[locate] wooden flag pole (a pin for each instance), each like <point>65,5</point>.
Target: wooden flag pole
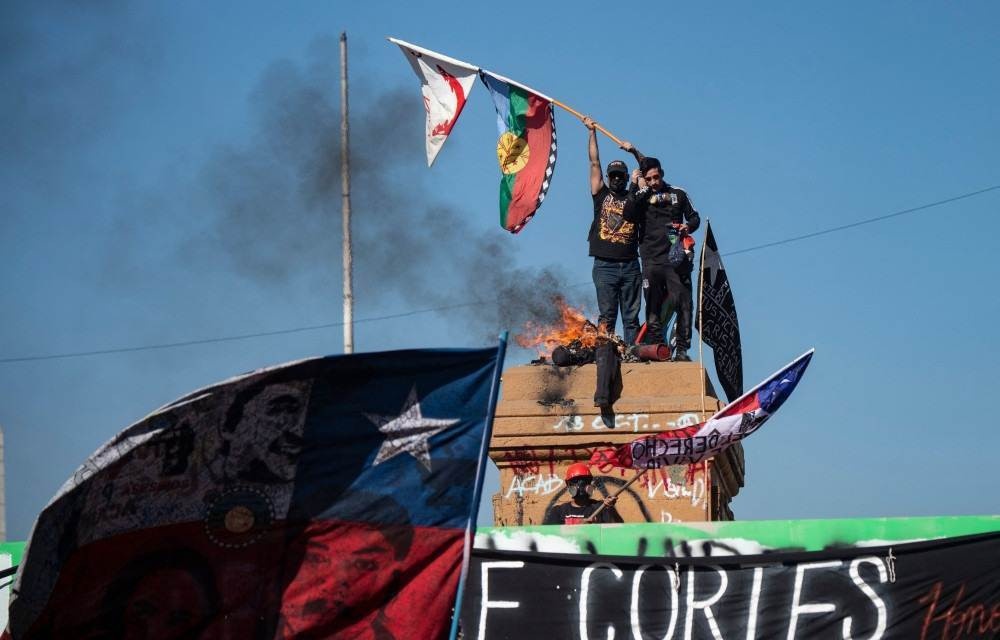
<point>628,484</point>
<point>579,115</point>
<point>563,105</point>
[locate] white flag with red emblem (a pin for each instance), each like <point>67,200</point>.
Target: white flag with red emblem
<point>445,84</point>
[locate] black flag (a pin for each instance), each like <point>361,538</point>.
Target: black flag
<point>717,321</point>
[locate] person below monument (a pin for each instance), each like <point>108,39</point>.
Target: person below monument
<point>613,242</point>
<point>579,485</point>
<point>666,216</point>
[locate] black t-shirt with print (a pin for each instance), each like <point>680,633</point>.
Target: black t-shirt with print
<point>657,212</point>
<point>570,513</point>
<point>614,234</point>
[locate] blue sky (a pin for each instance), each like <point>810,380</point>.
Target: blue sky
<point>144,137</point>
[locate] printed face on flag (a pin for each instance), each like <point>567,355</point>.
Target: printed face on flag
<point>341,568</point>
<point>261,437</point>
<point>166,596</point>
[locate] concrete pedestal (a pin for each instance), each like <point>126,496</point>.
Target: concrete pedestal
<point>546,420</point>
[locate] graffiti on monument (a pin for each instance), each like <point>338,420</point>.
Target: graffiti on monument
<point>634,422</point>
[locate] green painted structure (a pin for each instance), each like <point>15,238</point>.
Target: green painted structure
<point>623,539</point>
<point>742,537</point>
<point>12,549</point>
<point>10,556</point>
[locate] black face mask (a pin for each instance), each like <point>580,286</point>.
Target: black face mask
<point>617,182</point>
<point>579,488</point>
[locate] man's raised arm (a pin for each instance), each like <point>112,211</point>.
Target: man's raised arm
<point>629,148</point>
<point>596,177</point>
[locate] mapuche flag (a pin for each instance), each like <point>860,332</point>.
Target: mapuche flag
<point>702,441</point>
<point>526,149</point>
<point>327,498</point>
<point>717,322</point>
<point>445,84</point>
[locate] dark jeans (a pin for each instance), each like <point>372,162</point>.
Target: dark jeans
<point>619,285</point>
<point>664,292</point>
<point>682,327</point>
<point>609,375</point>
<point>680,332</point>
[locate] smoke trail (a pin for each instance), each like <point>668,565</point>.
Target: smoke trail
<point>68,70</point>
<point>274,203</point>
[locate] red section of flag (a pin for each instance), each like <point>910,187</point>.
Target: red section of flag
<point>532,182</point>
<point>358,581</point>
<point>444,128</point>
<point>163,582</point>
<point>324,580</point>
<point>746,404</point>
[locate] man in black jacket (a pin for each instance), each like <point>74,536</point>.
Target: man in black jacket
<point>666,215</point>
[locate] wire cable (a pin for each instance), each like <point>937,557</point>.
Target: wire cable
<point>859,223</point>
<point>330,325</point>
<point>244,336</point>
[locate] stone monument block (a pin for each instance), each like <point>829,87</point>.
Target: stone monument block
<point>546,420</point>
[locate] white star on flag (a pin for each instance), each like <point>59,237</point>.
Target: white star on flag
<point>408,432</point>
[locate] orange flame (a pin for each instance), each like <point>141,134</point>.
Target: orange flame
<point>572,326</point>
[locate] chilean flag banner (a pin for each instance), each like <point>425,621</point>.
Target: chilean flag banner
<point>702,441</point>
<point>326,498</point>
<point>445,84</point>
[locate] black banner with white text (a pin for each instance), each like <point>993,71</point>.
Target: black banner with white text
<point>938,589</point>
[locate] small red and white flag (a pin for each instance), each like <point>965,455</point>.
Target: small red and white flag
<point>445,84</point>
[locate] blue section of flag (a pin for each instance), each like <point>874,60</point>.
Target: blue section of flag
<point>339,474</point>
<point>500,93</point>
<point>773,393</point>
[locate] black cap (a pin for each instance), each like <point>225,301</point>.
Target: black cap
<point>617,166</point>
<point>648,163</point>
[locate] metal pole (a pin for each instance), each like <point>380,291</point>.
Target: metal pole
<point>345,190</point>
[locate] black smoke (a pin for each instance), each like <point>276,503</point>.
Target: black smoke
<point>68,69</point>
<point>272,205</point>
